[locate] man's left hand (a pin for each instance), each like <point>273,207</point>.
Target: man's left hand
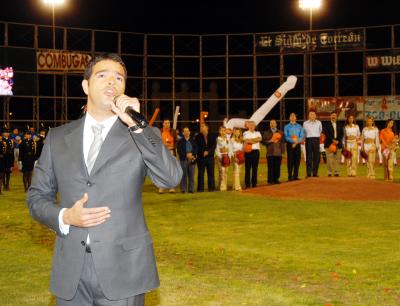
<point>122,102</point>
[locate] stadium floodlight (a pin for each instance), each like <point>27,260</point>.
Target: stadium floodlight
<point>310,4</point>
<point>55,2</point>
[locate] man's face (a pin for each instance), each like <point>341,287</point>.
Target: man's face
<point>42,133</point>
<point>204,129</point>
<point>333,117</point>
<point>251,125</point>
<point>28,136</point>
<point>106,82</point>
<point>166,124</point>
<point>273,124</point>
<point>15,131</point>
<point>222,131</point>
<point>312,115</point>
<point>292,117</point>
<point>186,132</point>
<point>32,130</point>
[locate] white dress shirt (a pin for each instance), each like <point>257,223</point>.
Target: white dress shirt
<point>252,135</point>
<point>334,129</point>
<point>88,137</point>
<point>312,128</point>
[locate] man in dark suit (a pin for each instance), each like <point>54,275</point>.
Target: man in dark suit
<point>273,139</point>
<point>333,131</point>
<point>187,153</point>
<point>206,143</point>
<point>103,251</point>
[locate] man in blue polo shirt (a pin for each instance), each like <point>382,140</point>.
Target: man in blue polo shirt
<point>294,135</point>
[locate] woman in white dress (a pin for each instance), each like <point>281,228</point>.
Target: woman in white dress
<point>350,137</point>
<point>370,145</point>
<point>236,143</point>
<point>223,156</point>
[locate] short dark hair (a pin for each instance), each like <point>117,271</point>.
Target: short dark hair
<point>102,57</point>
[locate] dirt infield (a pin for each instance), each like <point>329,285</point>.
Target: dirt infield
<point>332,188</point>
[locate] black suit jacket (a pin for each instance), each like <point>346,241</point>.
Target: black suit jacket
<point>202,146</point>
<point>181,148</point>
<point>327,129</point>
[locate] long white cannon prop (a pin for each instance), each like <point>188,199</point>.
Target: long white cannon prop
<point>260,113</point>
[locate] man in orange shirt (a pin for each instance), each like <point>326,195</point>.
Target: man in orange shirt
<point>168,139</point>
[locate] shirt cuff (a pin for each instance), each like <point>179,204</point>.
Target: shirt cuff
<point>64,228</point>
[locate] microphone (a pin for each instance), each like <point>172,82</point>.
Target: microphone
<point>137,117</point>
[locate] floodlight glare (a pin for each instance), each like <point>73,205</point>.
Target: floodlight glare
<point>54,2</point>
<point>309,4</point>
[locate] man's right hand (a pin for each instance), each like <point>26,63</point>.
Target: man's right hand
<point>79,216</point>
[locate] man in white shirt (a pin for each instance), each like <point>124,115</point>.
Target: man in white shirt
<point>312,129</point>
<point>251,139</point>
<point>103,250</point>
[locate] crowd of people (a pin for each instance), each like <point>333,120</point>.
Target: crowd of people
<point>19,150</point>
<point>337,143</point>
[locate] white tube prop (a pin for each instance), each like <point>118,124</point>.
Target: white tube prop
<point>260,113</point>
<point>175,121</point>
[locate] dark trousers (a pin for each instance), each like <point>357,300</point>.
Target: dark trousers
<point>89,292</point>
<point>6,179</point>
<point>1,180</point>
<point>274,169</point>
<point>27,179</point>
<point>293,160</point>
<point>188,176</point>
<point>312,155</point>
<point>204,164</point>
<point>251,164</point>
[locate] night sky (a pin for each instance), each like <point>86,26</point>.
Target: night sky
<point>160,16</point>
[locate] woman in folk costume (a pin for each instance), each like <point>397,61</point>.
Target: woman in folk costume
<point>236,143</point>
<point>223,155</point>
<point>370,145</point>
<point>389,143</point>
<point>350,137</point>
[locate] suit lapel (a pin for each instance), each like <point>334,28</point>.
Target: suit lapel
<point>74,139</point>
<point>116,137</point>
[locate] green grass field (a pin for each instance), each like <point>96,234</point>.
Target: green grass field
<point>226,248</point>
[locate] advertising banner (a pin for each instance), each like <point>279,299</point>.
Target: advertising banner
<point>380,108</point>
<point>310,40</point>
<point>385,61</point>
<point>49,60</point>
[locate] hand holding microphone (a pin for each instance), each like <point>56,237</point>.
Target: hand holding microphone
<point>127,109</point>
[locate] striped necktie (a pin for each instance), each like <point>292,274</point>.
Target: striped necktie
<point>95,146</point>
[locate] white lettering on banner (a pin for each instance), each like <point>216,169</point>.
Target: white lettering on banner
<point>386,62</point>
<point>61,61</point>
<point>372,61</point>
<point>312,40</point>
<point>390,60</point>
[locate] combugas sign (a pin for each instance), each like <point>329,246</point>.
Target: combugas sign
<point>61,61</point>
